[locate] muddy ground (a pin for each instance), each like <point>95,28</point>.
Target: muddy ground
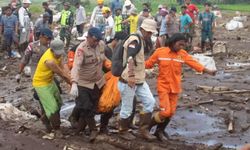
<point>196,125</point>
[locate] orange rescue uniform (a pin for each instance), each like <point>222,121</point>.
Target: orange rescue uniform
<point>169,78</point>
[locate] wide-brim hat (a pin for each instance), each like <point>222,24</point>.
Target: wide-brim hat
<point>127,3</point>
<point>57,46</point>
<point>149,25</point>
<point>26,2</point>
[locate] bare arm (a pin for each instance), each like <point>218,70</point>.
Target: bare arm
<point>58,70</point>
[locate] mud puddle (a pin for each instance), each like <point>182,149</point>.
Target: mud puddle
<point>197,127</point>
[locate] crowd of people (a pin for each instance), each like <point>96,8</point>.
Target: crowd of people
<point>118,35</point>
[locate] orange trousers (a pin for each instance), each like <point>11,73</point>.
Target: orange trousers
<point>168,103</point>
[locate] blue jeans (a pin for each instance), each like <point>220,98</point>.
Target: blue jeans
<point>127,95</point>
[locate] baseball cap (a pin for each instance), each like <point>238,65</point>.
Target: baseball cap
<point>95,32</point>
<point>66,4</point>
<point>100,1</point>
<point>149,25</point>
<point>47,32</point>
<point>57,46</point>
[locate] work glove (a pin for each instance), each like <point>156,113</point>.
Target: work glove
<point>23,30</point>
<point>108,38</point>
<point>18,78</point>
<point>74,90</point>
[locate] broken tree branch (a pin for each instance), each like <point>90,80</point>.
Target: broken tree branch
<point>232,92</point>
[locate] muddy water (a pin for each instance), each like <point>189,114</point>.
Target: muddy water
<point>196,127</point>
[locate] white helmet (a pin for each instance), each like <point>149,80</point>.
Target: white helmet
<point>26,2</point>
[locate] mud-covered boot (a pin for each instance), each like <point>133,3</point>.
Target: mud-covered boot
<point>92,126</point>
<point>160,131</point>
<point>46,123</point>
<point>81,125</point>
<point>74,118</point>
<point>104,122</point>
<point>145,120</point>
<point>123,130</point>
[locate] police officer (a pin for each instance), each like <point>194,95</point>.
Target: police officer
<point>88,79</point>
<point>66,22</point>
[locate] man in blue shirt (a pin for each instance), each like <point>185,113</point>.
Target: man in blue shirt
<point>185,24</point>
<point>9,28</point>
<point>206,19</point>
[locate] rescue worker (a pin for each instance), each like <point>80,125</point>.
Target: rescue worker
<point>118,20</point>
<point>88,79</point>
<point>66,22</point>
<point>109,24</point>
<point>24,23</point>
<point>132,82</point>
<point>49,64</point>
<point>170,60</point>
<point>35,50</point>
<point>97,20</point>
<point>32,55</point>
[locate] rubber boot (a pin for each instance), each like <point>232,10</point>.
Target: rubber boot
<point>74,118</point>
<point>145,120</point>
<point>104,122</point>
<point>55,122</point>
<point>160,131</point>
<point>46,123</point>
<point>81,125</point>
<point>123,129</point>
<point>92,126</point>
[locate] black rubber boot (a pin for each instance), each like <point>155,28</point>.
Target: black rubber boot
<point>74,118</point>
<point>104,122</point>
<point>92,126</point>
<point>160,133</point>
<point>123,130</point>
<point>145,121</point>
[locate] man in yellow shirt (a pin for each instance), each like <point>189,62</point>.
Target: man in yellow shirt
<point>133,21</point>
<point>48,93</point>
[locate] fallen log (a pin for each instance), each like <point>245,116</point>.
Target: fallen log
<point>232,92</point>
<point>231,122</point>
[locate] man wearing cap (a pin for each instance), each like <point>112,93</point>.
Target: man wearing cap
<point>97,20</point>
<point>145,14</point>
<point>66,22</point>
<point>24,23</point>
<point>80,18</point>
<point>158,17</point>
<point>109,24</point>
<point>127,7</point>
<point>35,50</point>
<point>88,78</point>
<point>132,82</point>
<point>43,81</point>
<point>133,21</point>
<point>40,24</point>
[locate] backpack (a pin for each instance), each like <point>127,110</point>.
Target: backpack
<point>117,57</point>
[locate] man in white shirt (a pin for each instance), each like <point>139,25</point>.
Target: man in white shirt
<point>109,25</point>
<point>24,20</point>
<point>80,18</point>
<point>97,20</point>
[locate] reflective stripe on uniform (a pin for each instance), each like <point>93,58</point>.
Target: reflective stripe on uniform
<point>177,60</point>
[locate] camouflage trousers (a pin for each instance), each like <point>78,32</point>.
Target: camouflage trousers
<point>65,34</point>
